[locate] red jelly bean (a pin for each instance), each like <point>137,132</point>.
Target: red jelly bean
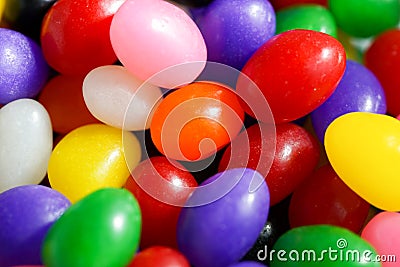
<point>296,156</point>
<point>75,35</point>
<point>158,256</point>
<point>324,198</point>
<point>63,99</point>
<point>296,71</point>
<point>383,58</point>
<point>280,4</point>
<point>195,121</point>
<point>159,219</point>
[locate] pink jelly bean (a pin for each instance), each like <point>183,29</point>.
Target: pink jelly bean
<point>383,232</point>
<point>150,36</point>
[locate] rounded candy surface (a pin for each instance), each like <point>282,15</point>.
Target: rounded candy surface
<point>358,90</point>
<point>26,141</point>
<point>195,121</point>
<point>26,214</point>
<point>92,157</point>
<point>23,69</point>
<point>365,18</point>
<point>103,229</point>
<point>300,68</point>
<point>159,256</point>
<point>75,35</point>
<point>383,232</point>
<point>117,98</point>
<point>361,144</point>
<point>336,246</point>
<point>150,36</point>
<point>237,218</point>
<point>230,40</point>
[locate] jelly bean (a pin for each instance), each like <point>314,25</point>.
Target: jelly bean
<point>247,264</point>
<point>159,256</point>
<point>23,70</point>
<point>118,99</point>
<point>26,141</point>
<point>75,35</point>
<point>295,158</point>
<point>26,214</point>
<point>325,199</point>
<point>364,18</point>
<point>196,120</point>
<point>92,157</point>
<point>63,99</point>
<point>103,229</point>
<point>300,68</point>
<point>193,2</point>
<point>160,202</point>
<point>26,16</point>
<point>362,144</point>
<point>230,40</point>
<point>221,232</point>
<point>281,4</point>
<point>383,58</point>
<point>322,245</point>
<point>2,6</point>
<point>358,90</point>
<point>383,233</point>
<point>352,52</point>
<point>310,17</point>
<point>151,36</point>
<point>277,225</point>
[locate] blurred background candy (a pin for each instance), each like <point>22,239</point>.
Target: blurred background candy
<point>103,229</point>
<point>358,90</point>
<point>23,70</point>
<point>63,99</point>
<point>281,4</point>
<point>383,59</point>
<point>151,36</point>
<point>75,35</point>
<point>193,2</point>
<point>309,17</point>
<point>365,18</point>
<point>92,157</point>
<point>119,99</point>
<point>26,214</point>
<point>26,142</point>
<point>234,30</point>
<point>25,16</point>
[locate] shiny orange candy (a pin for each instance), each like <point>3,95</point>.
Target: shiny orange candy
<point>195,121</point>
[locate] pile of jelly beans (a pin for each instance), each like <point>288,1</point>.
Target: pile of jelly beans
<point>205,133</point>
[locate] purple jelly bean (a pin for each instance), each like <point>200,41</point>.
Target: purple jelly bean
<point>358,90</point>
<point>26,214</point>
<point>220,233</point>
<point>23,69</point>
<point>233,30</point>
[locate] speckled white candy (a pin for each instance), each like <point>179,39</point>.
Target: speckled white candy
<point>26,141</point>
<point>117,98</point>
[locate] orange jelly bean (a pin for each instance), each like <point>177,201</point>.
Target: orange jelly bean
<point>195,121</point>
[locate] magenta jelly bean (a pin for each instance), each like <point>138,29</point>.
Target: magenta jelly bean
<point>234,30</point>
<point>23,69</point>
<point>26,214</point>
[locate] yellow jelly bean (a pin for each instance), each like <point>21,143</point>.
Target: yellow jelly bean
<point>364,150</point>
<point>92,157</point>
<point>2,5</point>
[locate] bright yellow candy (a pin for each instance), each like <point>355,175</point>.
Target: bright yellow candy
<point>364,150</point>
<point>2,5</point>
<point>92,157</point>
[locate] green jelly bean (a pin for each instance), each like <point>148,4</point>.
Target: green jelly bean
<point>308,17</point>
<point>100,230</point>
<point>365,18</point>
<point>322,246</point>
